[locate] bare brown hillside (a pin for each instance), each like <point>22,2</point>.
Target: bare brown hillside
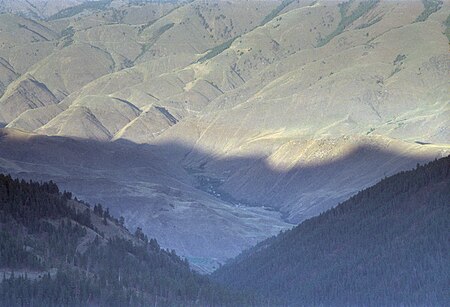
<point>264,112</point>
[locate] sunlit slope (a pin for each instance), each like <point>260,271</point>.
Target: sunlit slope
<point>175,39</point>
<point>23,42</point>
<point>266,85</point>
<point>385,80</point>
<point>37,8</point>
<point>65,54</point>
<point>308,177</point>
<point>380,84</point>
<point>395,84</point>
<point>262,103</point>
<point>23,94</point>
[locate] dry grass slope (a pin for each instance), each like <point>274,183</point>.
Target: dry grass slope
<point>258,94</point>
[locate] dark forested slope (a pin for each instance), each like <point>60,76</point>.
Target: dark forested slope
<point>55,251</point>
<point>389,244</point>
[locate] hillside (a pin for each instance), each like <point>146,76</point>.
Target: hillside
<point>139,184</point>
<point>52,10</point>
<point>387,245</point>
<point>221,119</point>
<point>57,251</point>
<point>37,8</point>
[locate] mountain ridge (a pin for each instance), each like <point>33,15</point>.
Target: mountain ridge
<point>259,101</point>
<point>55,250</point>
<point>161,197</point>
<point>385,245</point>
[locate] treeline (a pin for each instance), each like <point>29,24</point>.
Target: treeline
<point>29,202</point>
<point>118,274</point>
<point>42,231</point>
<point>387,245</point>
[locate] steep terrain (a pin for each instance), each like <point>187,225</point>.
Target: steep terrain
<point>248,109</point>
<point>387,245</point>
<point>37,8</point>
<point>137,183</point>
<point>55,251</point>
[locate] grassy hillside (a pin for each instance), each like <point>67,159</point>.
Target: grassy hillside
<point>74,10</point>
<point>387,245</point>
<point>262,100</point>
<point>57,251</point>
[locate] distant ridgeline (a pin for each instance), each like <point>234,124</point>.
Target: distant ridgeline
<point>387,245</point>
<point>56,251</point>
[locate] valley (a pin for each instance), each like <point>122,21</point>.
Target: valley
<point>213,125</point>
<point>385,246</point>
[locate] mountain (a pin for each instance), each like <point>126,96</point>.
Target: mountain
<point>58,251</point>
<point>387,245</point>
<point>232,119</point>
<point>139,184</point>
<point>37,8</point>
<point>51,9</point>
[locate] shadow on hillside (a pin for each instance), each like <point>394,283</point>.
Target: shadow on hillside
<point>207,209</point>
<point>107,172</point>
